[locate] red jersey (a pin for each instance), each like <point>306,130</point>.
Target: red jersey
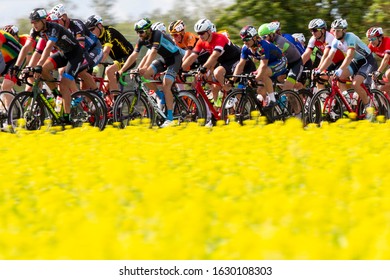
<point>384,48</point>
<point>219,43</point>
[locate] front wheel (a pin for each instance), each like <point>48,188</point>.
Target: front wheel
<point>288,105</point>
<point>26,111</point>
<point>187,108</point>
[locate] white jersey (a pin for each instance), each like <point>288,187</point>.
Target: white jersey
<point>350,40</point>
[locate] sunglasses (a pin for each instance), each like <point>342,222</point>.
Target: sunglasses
<point>141,32</point>
<point>372,39</point>
<point>314,30</point>
<point>201,33</point>
<point>246,39</point>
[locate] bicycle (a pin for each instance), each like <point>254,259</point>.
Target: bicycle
<point>139,104</point>
<point>240,103</point>
<point>35,108</point>
<point>330,104</point>
<point>5,100</point>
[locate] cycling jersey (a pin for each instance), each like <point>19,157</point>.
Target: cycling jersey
<point>298,45</point>
<point>265,50</point>
<point>382,49</point>
<point>350,40</point>
<point>321,46</point>
<point>219,43</point>
<point>64,40</point>
<point>120,47</point>
<point>289,50</point>
<point>83,34</point>
<point>10,46</point>
<point>188,41</point>
<point>161,42</point>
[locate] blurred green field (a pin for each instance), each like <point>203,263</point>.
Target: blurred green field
<point>189,192</point>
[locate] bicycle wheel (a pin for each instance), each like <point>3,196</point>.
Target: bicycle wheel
<point>130,106</point>
<point>102,107</point>
<point>288,105</point>
<point>238,104</point>
<point>5,101</point>
<point>379,102</point>
<point>186,107</point>
<point>323,107</point>
<point>86,109</point>
<point>25,107</point>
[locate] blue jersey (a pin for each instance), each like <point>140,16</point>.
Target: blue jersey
<point>265,50</point>
<point>298,45</point>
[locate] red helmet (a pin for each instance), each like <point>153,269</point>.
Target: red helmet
<point>52,17</point>
<point>374,32</point>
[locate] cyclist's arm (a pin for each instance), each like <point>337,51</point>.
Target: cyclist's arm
<point>324,56</point>
<point>106,52</point>
<point>189,61</point>
<point>306,55</point>
<point>130,60</point>
<point>143,60</point>
<point>384,63</point>
<point>150,57</point>
<point>240,67</point>
<point>348,58</point>
<point>23,52</point>
<point>46,52</point>
<point>262,68</point>
<point>327,61</point>
<point>212,60</point>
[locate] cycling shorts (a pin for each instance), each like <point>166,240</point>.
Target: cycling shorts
<point>172,65</point>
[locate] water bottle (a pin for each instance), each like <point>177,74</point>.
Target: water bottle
<point>347,96</point>
<point>354,98</point>
<point>282,101</point>
<point>153,94</point>
<point>58,104</point>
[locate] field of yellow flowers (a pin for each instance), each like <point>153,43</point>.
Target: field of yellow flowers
<point>190,192</point>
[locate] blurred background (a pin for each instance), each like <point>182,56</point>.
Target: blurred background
<point>232,15</point>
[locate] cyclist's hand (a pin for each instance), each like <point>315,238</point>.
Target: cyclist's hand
<point>376,75</point>
<point>37,71</point>
<point>316,72</point>
<point>14,71</point>
<point>142,70</point>
<point>338,72</point>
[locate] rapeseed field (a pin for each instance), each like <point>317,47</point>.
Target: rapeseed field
<point>189,192</point>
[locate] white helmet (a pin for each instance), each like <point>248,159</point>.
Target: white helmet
<point>58,10</point>
<point>299,37</point>
<point>317,23</point>
<point>203,25</point>
<point>159,26</point>
<point>339,24</point>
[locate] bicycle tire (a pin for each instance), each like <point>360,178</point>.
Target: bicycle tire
<point>380,103</point>
<point>86,109</point>
<point>187,108</point>
<point>240,109</point>
<point>128,107</point>
<point>291,107</point>
<point>102,106</point>
<point>25,107</point>
<point>5,101</point>
<point>325,108</point>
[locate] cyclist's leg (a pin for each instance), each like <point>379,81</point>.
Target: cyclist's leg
<point>295,70</point>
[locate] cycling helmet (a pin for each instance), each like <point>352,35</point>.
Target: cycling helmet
<point>59,10</point>
<point>93,21</point>
<point>248,32</point>
<point>213,28</point>
<point>203,25</point>
<point>266,29</point>
<point>142,24</point>
<point>159,26</point>
<point>299,37</point>
<point>176,26</point>
<point>339,24</point>
<point>52,17</point>
<point>317,23</point>
<point>374,32</point>
<point>11,29</point>
<point>275,25</point>
<point>38,14</point>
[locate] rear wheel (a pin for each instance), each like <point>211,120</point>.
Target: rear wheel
<point>288,105</point>
<point>5,101</point>
<point>187,108</point>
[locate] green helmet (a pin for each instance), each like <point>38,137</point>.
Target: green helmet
<point>266,29</point>
<point>142,24</point>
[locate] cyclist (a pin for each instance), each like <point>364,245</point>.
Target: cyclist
<point>92,47</point>
<point>224,55</point>
<point>115,46</point>
<point>380,45</point>
<point>170,60</point>
<point>300,38</point>
<point>70,55</point>
<point>276,25</point>
<point>294,61</point>
<point>321,40</point>
<point>183,39</point>
<point>358,62</point>
<point>272,62</point>
<point>159,26</point>
<point>10,49</point>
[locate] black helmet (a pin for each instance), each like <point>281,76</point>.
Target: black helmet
<point>93,21</point>
<point>38,14</point>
